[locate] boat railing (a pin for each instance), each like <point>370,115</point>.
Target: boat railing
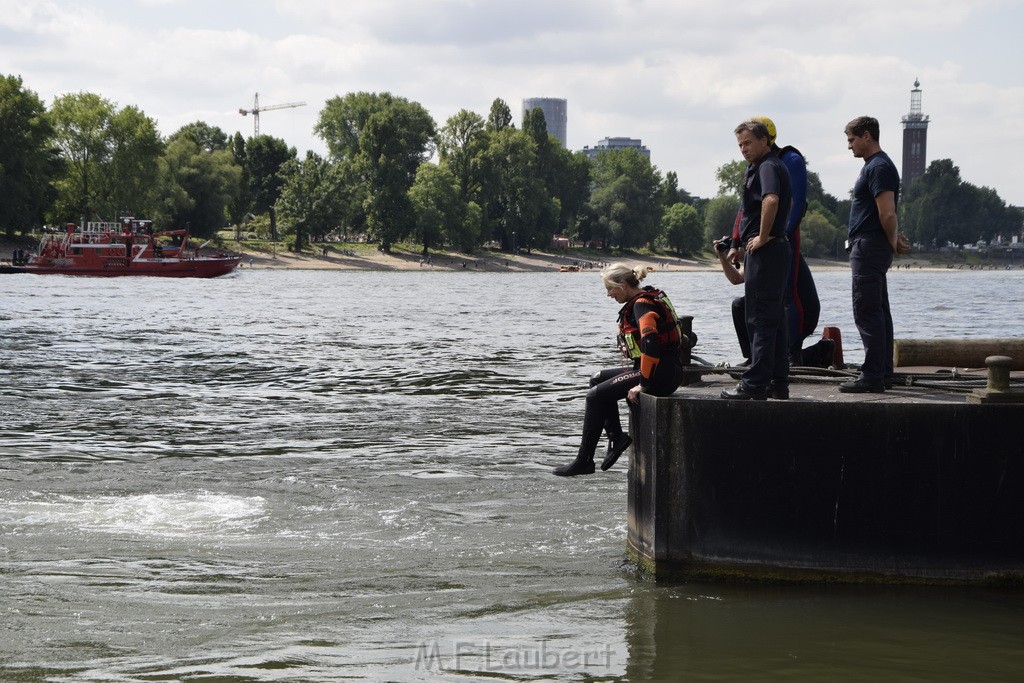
<point>98,227</point>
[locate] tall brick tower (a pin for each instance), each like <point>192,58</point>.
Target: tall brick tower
<point>915,139</point>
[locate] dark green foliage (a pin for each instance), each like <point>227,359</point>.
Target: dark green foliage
<point>110,158</point>
<point>309,206</point>
<point>264,157</point>
<point>198,186</point>
<point>940,209</point>
<point>625,199</point>
<point>385,138</point>
<point>29,163</point>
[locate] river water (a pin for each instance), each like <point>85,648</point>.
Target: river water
<point>323,476</point>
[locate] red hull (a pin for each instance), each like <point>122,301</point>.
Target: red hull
<point>130,247</point>
<point>199,267</point>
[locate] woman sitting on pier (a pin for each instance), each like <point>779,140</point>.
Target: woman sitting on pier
<point>650,337</point>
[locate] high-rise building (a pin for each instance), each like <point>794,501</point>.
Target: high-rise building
<point>609,144</point>
<point>555,114</point>
<point>915,139</point>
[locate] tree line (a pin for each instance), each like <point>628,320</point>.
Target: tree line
<point>392,175</point>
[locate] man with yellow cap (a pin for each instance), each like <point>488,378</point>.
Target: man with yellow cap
<point>803,304</point>
<point>767,197</point>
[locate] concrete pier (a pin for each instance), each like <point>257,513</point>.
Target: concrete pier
<point>914,485</point>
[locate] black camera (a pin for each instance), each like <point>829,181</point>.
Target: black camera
<point>723,245</point>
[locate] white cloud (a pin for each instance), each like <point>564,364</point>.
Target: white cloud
<point>678,75</point>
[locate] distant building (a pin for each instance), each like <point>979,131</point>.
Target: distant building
<point>609,144</point>
<point>915,139</point>
<point>555,114</point>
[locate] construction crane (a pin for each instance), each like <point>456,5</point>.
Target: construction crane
<point>256,109</point>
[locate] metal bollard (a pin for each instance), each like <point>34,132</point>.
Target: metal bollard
<point>998,372</point>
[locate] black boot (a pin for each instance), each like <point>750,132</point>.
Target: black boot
<point>616,447</point>
<point>580,465</point>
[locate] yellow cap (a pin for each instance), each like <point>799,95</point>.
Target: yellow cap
<point>769,124</point>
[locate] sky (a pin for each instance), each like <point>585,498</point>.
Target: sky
<point>677,74</point>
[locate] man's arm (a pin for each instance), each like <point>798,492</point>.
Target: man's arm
<point>769,207</point>
<point>732,273</point>
<point>885,202</point>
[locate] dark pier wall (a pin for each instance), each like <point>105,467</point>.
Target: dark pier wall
<point>822,490</point>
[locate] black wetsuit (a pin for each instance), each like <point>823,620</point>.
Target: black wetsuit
<point>610,386</point>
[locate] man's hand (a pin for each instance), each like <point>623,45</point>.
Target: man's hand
<point>756,242</point>
<point>902,245</point>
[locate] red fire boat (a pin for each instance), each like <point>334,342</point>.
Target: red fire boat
<point>130,247</point>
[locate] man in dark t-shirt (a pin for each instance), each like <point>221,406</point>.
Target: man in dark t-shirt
<point>873,240</point>
<point>767,197</point>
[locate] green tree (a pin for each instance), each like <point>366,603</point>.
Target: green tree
<point>720,217</point>
<point>309,202</point>
<point>438,209</point>
<point>110,157</point>
<point>669,193</point>
<point>625,198</point>
<point>681,229</point>
<point>940,208</point>
<point>240,208</point>
<point>460,142</point>
<point>29,163</point>
<point>819,237</point>
<point>500,116</point>
<point>730,178</point>
<point>572,187</point>
<point>820,200</point>
<point>566,176</point>
<point>209,138</point>
<point>550,166</point>
<point>264,157</point>
<point>512,193</point>
<point>197,186</point>
<point>81,121</point>
<point>342,120</point>
<point>385,138</point>
<point>129,181</point>
<point>466,236</point>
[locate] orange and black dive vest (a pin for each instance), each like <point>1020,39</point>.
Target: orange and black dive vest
<point>668,328</point>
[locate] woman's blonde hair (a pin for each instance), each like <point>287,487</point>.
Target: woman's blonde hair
<point>619,274</point>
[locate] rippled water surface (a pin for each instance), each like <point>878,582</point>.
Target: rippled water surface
<point>323,476</point>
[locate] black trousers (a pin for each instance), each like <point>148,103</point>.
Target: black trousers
<point>765,275</point>
<point>870,259</point>
<point>610,386</point>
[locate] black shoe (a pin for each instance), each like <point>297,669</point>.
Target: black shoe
<point>889,381</point>
<point>744,393</point>
<point>828,353</point>
<point>861,386</point>
<point>779,393</point>
<point>819,355</point>
<point>577,466</point>
<point>616,447</point>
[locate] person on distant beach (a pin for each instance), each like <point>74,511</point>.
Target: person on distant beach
<point>650,337</point>
<point>873,240</point>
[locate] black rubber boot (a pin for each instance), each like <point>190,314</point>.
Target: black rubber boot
<point>616,447</point>
<point>577,466</point>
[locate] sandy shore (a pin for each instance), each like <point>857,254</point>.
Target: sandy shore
<point>484,261</point>
<point>364,258</point>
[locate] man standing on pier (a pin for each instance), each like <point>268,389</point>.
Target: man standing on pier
<point>767,196</point>
<point>873,240</point>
